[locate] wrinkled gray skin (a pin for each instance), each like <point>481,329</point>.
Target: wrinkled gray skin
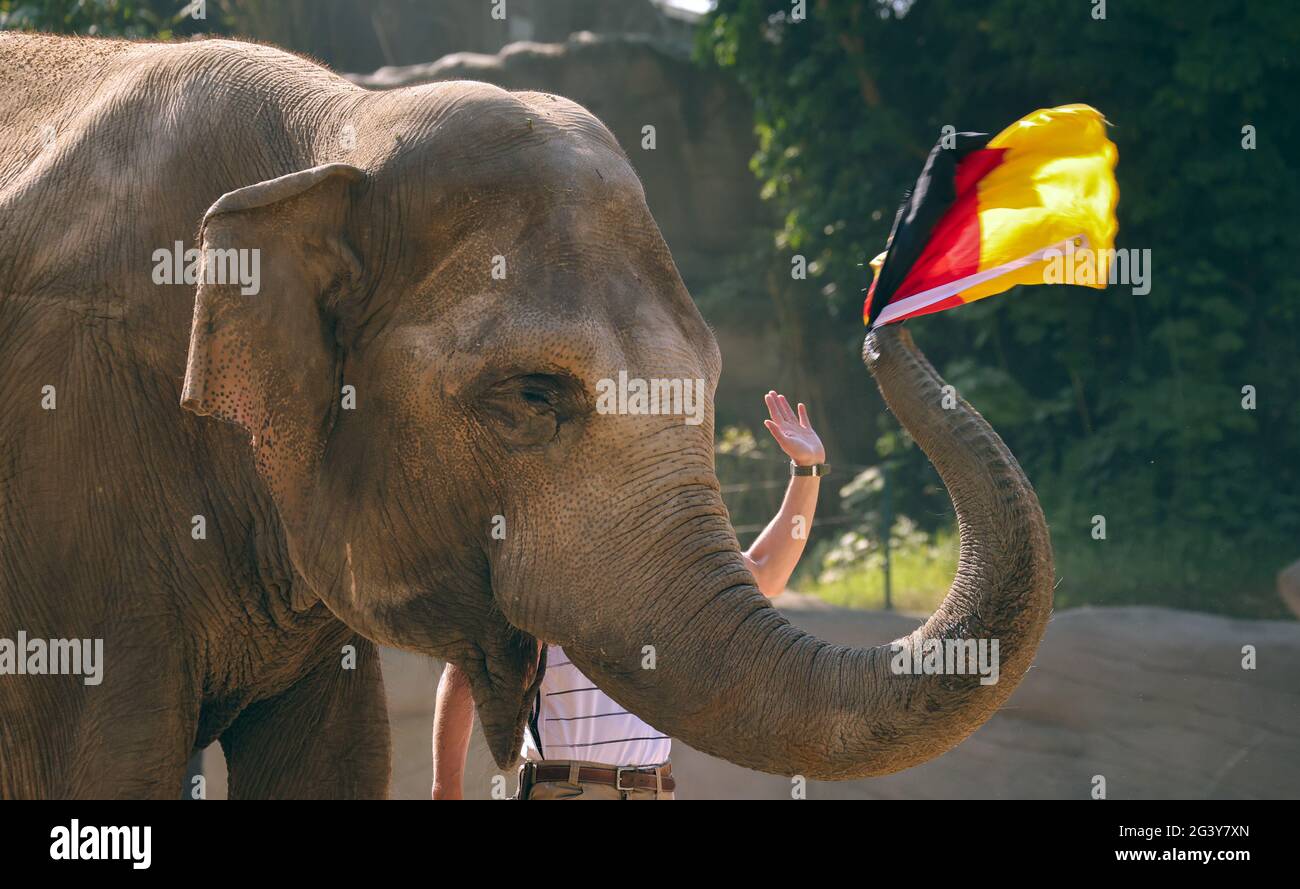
<point>329,527</point>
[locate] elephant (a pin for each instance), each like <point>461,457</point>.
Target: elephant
<point>293,369</point>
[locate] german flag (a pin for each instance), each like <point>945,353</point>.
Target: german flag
<point>989,213</point>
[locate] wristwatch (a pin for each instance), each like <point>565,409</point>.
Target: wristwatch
<point>816,469</point>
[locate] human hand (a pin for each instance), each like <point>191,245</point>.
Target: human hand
<point>793,433</point>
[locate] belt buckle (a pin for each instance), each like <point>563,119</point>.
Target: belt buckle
<point>527,778</point>
<point>618,778</point>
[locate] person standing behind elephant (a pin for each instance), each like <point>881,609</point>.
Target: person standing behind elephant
<point>617,755</point>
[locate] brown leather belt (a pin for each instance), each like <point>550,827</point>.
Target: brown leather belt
<point>621,779</point>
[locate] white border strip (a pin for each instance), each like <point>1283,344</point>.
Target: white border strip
<point>910,304</point>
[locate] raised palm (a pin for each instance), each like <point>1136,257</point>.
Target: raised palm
<point>792,431</point>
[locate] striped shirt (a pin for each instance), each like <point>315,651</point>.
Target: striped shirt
<point>576,720</point>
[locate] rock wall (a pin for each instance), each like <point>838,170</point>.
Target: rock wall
<point>697,177</point>
<point>361,35</point>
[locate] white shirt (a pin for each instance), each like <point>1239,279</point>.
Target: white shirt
<point>576,720</point>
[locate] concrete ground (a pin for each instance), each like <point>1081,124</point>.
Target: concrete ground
<point>1155,703</point>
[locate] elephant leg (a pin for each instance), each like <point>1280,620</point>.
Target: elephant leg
<point>326,737</point>
<point>121,740</point>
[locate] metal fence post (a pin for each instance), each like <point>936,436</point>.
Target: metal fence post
<point>887,522</point>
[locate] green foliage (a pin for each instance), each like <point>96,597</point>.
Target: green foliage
<point>921,567</point>
<point>1119,404</point>
<point>160,19</point>
<point>1172,569</point>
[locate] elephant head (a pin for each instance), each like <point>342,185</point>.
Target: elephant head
<point>469,277</point>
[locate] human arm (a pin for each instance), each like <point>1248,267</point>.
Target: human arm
<point>776,551</point>
<point>453,718</point>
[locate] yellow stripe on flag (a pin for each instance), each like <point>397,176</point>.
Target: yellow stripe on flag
<point>1055,183</point>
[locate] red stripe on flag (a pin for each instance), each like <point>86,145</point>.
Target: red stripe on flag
<point>953,250</point>
<point>975,166</point>
<point>942,304</point>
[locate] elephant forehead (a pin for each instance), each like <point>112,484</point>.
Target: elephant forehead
<point>465,138</point>
<point>464,352</point>
<point>462,360</point>
<point>592,328</point>
<point>584,323</point>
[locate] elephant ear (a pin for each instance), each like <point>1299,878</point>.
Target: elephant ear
<point>264,356</point>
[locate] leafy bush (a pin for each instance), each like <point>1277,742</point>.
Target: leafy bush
<point>921,567</point>
<point>117,18</point>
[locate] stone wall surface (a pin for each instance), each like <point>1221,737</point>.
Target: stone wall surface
<point>696,178</point>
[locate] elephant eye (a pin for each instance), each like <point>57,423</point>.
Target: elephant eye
<point>528,409</point>
<point>537,396</point>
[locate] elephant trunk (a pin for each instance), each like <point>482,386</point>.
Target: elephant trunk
<point>707,660</point>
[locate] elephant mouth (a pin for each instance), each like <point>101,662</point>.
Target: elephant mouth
<point>506,680</point>
<point>503,664</point>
